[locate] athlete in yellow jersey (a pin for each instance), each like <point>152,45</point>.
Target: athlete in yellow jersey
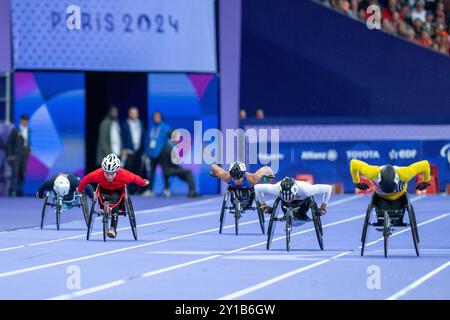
<point>390,181</point>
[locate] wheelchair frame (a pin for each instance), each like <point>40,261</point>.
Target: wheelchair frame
<point>54,201</point>
<point>387,227</point>
<point>238,210</point>
<point>107,207</point>
<point>289,217</point>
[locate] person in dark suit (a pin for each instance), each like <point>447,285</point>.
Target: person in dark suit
<point>133,136</point>
<point>109,136</point>
<point>18,149</point>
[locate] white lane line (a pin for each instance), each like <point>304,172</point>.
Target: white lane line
<point>418,282</point>
<point>195,216</point>
<point>58,263</point>
<point>178,266</point>
<point>243,292</point>
<point>137,212</point>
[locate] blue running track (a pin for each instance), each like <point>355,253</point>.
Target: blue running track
<point>180,255</point>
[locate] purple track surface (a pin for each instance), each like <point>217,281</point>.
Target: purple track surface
<point>180,255</point>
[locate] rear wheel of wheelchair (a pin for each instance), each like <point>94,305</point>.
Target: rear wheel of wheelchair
<point>414,230</point>
<point>271,227</point>
<point>132,217</point>
<point>260,217</point>
<point>44,207</point>
<point>386,233</point>
<point>414,223</point>
<point>222,212</point>
<point>91,220</point>
<point>105,219</point>
<point>84,208</point>
<point>318,228</point>
<point>365,226</point>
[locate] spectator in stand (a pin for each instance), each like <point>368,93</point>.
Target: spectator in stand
<point>406,18</point>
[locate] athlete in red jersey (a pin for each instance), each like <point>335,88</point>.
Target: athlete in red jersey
<point>111,179</point>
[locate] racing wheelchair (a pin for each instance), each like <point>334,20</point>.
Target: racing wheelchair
<point>237,201</point>
<point>289,208</point>
<point>62,204</point>
<point>390,218</point>
<point>105,211</point>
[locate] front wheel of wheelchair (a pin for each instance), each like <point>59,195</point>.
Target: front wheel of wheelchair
<point>237,217</point>
<point>318,227</point>
<point>84,208</point>
<point>43,212</point>
<point>386,232</point>
<point>271,227</point>
<point>260,217</point>
<point>105,219</point>
<point>132,217</point>
<point>288,233</point>
<point>58,216</point>
<point>222,212</point>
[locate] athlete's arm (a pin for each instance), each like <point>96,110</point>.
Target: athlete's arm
<point>133,178</point>
<point>254,178</point>
<point>221,173</point>
<point>46,186</point>
<point>90,178</point>
<point>263,189</point>
<point>360,167</point>
<point>409,172</point>
<point>316,189</point>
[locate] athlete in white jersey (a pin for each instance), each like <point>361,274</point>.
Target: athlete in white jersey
<point>294,193</point>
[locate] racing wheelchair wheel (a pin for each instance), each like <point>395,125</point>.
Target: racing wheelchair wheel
<point>288,230</point>
<point>365,226</point>
<point>222,211</point>
<point>132,217</point>
<point>317,223</point>
<point>105,219</point>
<point>272,223</point>
<point>58,210</point>
<point>84,208</point>
<point>414,231</point>
<point>386,232</point>
<point>260,217</point>
<point>237,216</point>
<point>91,219</point>
<point>43,211</point>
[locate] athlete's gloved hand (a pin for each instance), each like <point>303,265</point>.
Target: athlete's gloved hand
<point>362,186</point>
<point>422,186</point>
<point>265,208</point>
<point>323,209</point>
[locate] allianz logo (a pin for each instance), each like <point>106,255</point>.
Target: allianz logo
<point>330,155</point>
<point>403,154</point>
<point>445,152</point>
<point>363,154</point>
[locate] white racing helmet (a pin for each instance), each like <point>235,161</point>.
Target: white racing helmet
<point>61,185</point>
<point>111,163</point>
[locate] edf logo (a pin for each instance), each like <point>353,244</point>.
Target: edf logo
<point>73,20</point>
<point>445,152</point>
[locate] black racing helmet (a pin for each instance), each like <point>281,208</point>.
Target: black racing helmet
<point>237,170</point>
<point>288,189</point>
<point>387,181</point>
